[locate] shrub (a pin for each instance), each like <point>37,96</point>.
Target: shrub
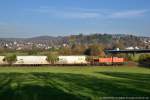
<point>10,59</point>
<point>32,52</point>
<point>52,58</point>
<point>89,58</point>
<point>144,60</point>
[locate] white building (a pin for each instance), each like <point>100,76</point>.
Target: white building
<point>130,48</point>
<point>72,60</point>
<point>137,48</point>
<point>31,60</point>
<point>117,49</point>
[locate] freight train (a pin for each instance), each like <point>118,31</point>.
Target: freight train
<point>62,60</point>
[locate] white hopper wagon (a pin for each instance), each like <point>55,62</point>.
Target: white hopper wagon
<point>72,60</point>
<point>31,60</point>
<point>2,62</point>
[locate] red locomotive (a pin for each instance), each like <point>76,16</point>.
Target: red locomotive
<point>108,61</point>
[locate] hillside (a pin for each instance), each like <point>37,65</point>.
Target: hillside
<point>109,40</point>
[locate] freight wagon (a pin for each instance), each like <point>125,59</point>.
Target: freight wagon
<point>31,60</point>
<point>2,61</point>
<point>70,60</point>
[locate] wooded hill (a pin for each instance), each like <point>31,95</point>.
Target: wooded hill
<point>109,40</point>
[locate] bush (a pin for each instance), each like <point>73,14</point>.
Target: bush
<point>52,58</point>
<point>144,60</point>
<point>32,52</point>
<point>89,58</point>
<point>10,58</point>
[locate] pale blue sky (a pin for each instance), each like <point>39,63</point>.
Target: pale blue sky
<point>28,18</point>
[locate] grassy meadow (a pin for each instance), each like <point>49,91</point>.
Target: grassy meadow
<point>73,83</point>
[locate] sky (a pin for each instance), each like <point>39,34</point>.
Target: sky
<point>29,18</point>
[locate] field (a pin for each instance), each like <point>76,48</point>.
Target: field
<point>73,83</point>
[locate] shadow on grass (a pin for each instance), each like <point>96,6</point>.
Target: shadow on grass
<point>135,84</point>
<point>63,86</point>
<point>144,65</point>
<point>131,76</point>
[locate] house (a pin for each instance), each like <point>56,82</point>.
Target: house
<point>130,48</point>
<point>137,48</point>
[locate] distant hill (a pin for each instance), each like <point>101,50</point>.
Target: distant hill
<point>42,38</point>
<point>106,39</point>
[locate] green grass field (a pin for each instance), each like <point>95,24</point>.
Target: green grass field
<point>73,83</point>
